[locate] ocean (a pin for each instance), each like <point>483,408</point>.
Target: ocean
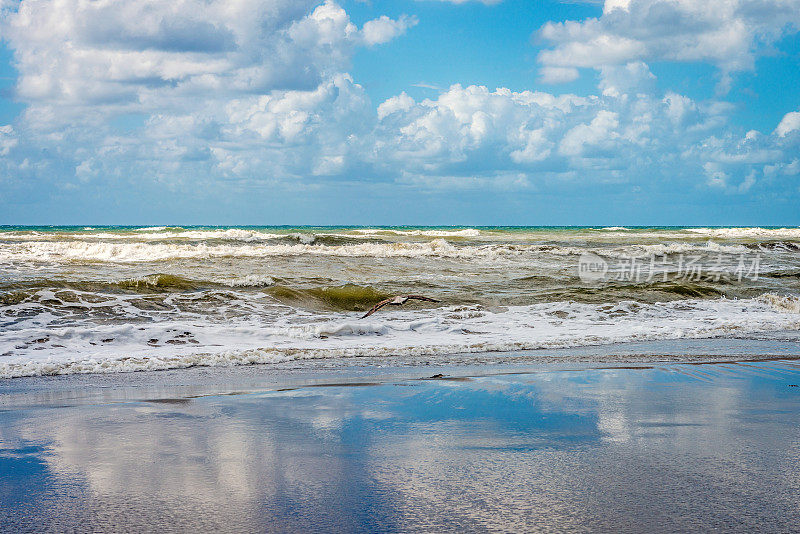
<point>114,299</point>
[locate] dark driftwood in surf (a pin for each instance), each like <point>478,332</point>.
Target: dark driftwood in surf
<point>399,300</point>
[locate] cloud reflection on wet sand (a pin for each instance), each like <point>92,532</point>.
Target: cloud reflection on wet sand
<point>676,447</point>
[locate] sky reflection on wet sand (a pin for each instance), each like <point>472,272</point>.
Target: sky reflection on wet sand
<point>675,447</point>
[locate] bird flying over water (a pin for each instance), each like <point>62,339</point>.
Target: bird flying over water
<point>399,300</point>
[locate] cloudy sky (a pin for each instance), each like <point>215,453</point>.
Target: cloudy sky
<point>400,112</point>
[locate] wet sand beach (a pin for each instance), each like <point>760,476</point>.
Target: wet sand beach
<point>643,443</point>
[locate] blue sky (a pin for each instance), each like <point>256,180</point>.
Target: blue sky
<point>400,112</point>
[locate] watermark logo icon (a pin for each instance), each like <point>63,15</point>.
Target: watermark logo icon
<point>592,268</point>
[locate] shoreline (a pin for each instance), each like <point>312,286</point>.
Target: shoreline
<point>200,381</point>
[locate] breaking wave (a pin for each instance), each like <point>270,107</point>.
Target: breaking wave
<point>39,349</point>
<point>140,284</point>
<point>103,299</point>
<point>466,232</point>
<point>58,251</point>
<point>752,233</point>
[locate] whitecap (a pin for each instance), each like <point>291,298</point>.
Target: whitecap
<point>267,338</point>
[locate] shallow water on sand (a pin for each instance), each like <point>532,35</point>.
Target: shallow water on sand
<point>106,299</point>
<point>669,447</point>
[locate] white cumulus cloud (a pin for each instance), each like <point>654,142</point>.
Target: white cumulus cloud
<point>79,59</point>
<point>789,123</point>
<point>726,33</point>
<point>212,95</point>
<point>485,2</point>
<point>383,29</point>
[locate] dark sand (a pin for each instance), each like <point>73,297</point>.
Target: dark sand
<point>549,441</point>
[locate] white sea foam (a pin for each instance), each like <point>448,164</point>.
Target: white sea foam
<point>782,302</point>
<point>232,234</point>
<point>467,232</point>
<point>160,233</point>
<point>60,251</point>
<point>660,249</point>
<point>609,235</point>
<point>305,239</point>
<point>138,252</point>
<point>45,344</point>
<point>250,280</point>
<point>752,233</point>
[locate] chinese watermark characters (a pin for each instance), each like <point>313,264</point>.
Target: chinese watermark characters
<point>666,268</point>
